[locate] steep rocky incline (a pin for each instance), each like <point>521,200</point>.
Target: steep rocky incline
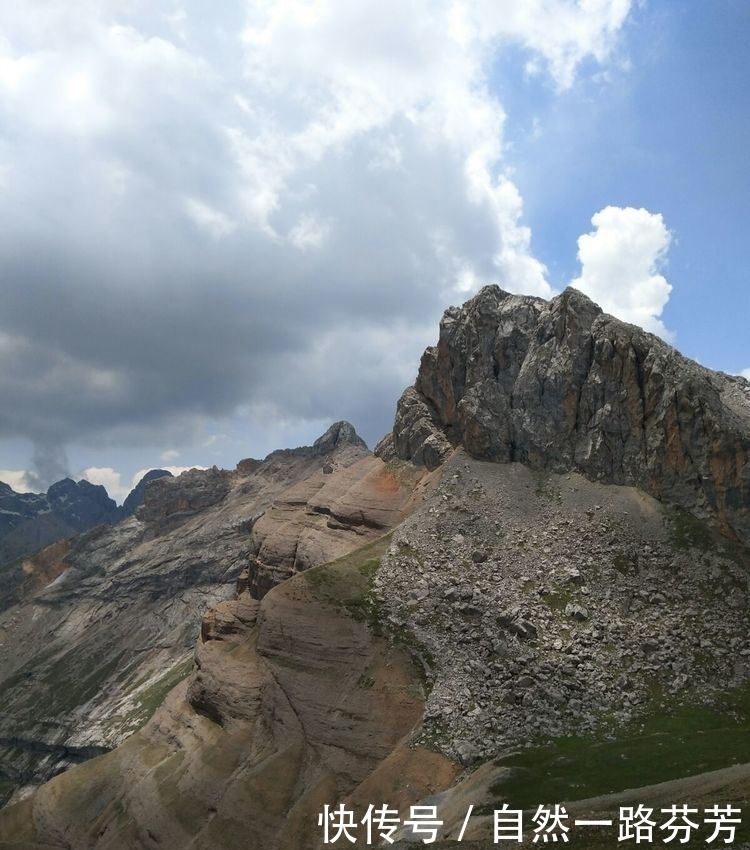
<point>562,386</point>
<point>294,704</point>
<point>475,609</point>
<point>532,605</point>
<point>521,587</point>
<point>85,659</point>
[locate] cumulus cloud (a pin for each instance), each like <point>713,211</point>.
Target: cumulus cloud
<point>200,206</point>
<point>16,479</point>
<point>745,374</point>
<point>109,478</point>
<point>621,262</point>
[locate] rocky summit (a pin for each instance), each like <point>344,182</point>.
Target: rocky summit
<point>29,522</point>
<point>539,581</point>
<point>560,385</point>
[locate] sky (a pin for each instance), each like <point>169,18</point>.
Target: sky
<point>225,226</point>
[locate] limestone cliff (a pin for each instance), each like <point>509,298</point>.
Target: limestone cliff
<point>561,385</point>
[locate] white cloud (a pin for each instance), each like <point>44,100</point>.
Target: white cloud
<point>370,137</point>
<point>308,233</point>
<point>745,374</point>
<point>86,80</point>
<point>621,261</point>
<point>213,221</point>
<point>334,73</point>
<point>169,454</point>
<point>558,34</point>
<point>108,477</point>
<point>16,478</point>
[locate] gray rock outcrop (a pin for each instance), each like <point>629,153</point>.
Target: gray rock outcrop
<point>563,386</point>
<point>136,496</point>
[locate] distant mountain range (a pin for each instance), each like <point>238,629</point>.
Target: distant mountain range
<point>31,521</point>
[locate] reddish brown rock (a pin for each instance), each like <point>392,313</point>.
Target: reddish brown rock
<point>327,515</point>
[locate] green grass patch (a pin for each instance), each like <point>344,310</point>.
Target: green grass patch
<point>347,582</point>
<point>689,532</point>
<point>152,697</point>
<point>62,683</point>
<point>669,744</point>
<point>76,679</point>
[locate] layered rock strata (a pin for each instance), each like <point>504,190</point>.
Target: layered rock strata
<point>107,623</point>
<point>294,705</point>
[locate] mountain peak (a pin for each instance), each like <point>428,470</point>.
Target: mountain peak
<point>561,385</point>
<point>339,435</point>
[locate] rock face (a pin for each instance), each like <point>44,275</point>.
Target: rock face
<point>81,504</point>
<point>37,529</point>
<point>107,622</point>
<point>31,521</point>
<point>471,610</point>
<point>537,604</point>
<point>135,497</point>
<point>293,705</point>
<point>562,386</point>
<point>325,516</point>
<point>339,436</point>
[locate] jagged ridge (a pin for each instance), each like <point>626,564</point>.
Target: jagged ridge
<point>561,385</point>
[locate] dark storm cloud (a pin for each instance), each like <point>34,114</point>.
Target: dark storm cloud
<point>50,464</point>
<point>191,229</point>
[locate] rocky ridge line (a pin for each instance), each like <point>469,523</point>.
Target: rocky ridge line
<point>109,620</point>
<point>561,385</point>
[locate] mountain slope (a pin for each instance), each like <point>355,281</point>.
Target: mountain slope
<point>594,583</point>
<point>85,660</point>
<point>268,731</point>
<point>534,605</point>
<point>30,521</point>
